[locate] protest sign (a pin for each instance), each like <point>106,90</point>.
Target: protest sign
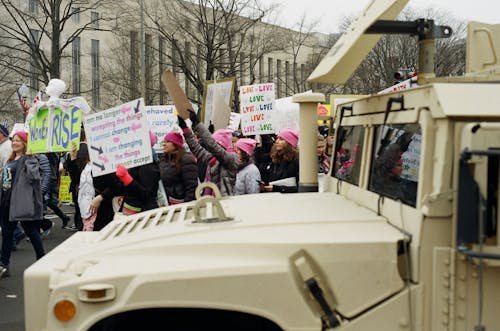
<point>181,101</point>
<point>234,121</point>
<point>64,193</point>
<point>162,120</point>
<point>213,92</point>
<point>116,136</point>
<point>286,114</point>
<point>55,128</point>
<point>257,108</point>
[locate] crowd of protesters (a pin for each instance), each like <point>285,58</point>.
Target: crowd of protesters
<point>236,165</point>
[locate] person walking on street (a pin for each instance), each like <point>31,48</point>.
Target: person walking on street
<point>51,197</point>
<point>5,148</point>
<point>20,199</point>
<point>74,164</point>
<point>248,176</point>
<point>178,170</point>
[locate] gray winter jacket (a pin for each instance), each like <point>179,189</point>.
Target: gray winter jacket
<point>26,203</point>
<point>247,180</point>
<point>223,164</point>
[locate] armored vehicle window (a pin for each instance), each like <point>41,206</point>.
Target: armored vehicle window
<point>348,149</point>
<point>396,160</point>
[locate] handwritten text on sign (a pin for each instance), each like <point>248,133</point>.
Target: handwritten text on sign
<point>118,136</point>
<point>162,120</point>
<point>256,108</point>
<point>64,131</point>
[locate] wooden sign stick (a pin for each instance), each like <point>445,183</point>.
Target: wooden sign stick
<point>180,99</point>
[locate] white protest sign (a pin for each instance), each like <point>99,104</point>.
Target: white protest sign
<point>222,88</point>
<point>116,136</point>
<point>162,120</point>
<point>286,114</point>
<point>257,108</point>
<point>234,121</point>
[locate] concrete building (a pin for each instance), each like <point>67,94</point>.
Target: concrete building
<point>104,62</point>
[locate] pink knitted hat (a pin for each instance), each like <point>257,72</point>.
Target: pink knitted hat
<point>247,145</point>
<point>152,138</point>
<point>175,138</point>
<point>290,135</point>
<point>223,137</point>
<point>23,135</point>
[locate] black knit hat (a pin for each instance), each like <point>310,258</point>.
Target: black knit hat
<point>4,129</point>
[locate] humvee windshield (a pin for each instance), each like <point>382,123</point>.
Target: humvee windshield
<point>396,161</point>
<point>348,154</point>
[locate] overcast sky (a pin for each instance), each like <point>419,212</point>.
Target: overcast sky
<point>330,12</point>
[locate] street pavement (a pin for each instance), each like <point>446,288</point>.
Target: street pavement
<point>11,288</point>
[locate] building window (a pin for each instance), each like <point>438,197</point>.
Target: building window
<point>33,6</point>
<point>162,63</point>
<point>279,80</point>
<point>34,69</point>
<point>134,65</point>
<point>94,20</point>
<point>75,14</point>
<point>270,71</point>
<point>75,72</point>
<point>242,68</point>
<point>94,53</point>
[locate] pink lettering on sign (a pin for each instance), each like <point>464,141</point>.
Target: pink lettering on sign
<point>246,89</point>
<point>265,87</point>
<point>135,126</point>
<point>247,109</point>
<point>249,129</point>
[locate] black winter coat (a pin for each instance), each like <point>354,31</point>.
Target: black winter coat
<point>143,190</point>
<point>179,185</point>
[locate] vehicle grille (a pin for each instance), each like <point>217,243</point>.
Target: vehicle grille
<point>125,225</point>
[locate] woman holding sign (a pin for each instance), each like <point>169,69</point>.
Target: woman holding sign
<point>20,199</point>
<point>222,163</point>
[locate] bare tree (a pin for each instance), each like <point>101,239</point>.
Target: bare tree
<point>34,33</point>
<point>213,39</point>
<point>395,52</point>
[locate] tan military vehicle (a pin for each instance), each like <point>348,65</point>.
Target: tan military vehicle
<point>405,236</point>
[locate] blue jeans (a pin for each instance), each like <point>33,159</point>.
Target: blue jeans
<point>8,228</point>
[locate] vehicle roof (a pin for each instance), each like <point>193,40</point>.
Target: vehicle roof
<point>442,99</point>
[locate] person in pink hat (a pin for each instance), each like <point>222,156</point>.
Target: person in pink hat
<point>178,170</point>
<point>248,176</point>
<point>284,166</point>
<point>21,199</point>
<point>222,163</point>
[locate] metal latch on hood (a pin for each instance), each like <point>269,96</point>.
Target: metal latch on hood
<point>313,285</point>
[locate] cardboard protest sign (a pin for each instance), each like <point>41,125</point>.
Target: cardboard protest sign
<point>257,108</point>
<point>116,136</point>
<point>217,99</point>
<point>64,193</point>
<point>161,120</point>
<point>54,129</point>
<point>181,102</point>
